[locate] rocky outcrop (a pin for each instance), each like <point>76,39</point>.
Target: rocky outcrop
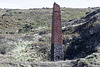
<point>90,17</point>
<point>87,40</point>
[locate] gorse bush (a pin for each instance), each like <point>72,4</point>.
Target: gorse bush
<point>28,27</point>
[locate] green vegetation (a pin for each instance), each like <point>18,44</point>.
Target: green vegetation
<point>18,21</point>
<point>30,51</point>
<point>87,61</point>
<point>70,14</point>
<point>25,35</point>
<point>32,30</point>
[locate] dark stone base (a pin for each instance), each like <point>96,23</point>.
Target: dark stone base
<point>57,52</point>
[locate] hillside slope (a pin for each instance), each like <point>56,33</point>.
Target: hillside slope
<point>17,20</point>
<point>25,36</point>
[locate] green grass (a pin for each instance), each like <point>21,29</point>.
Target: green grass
<point>19,23</point>
<point>12,20</point>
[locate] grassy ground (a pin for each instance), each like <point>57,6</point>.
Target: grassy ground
<point>26,34</point>
<point>16,20</point>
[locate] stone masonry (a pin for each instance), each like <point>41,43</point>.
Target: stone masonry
<point>56,38</point>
